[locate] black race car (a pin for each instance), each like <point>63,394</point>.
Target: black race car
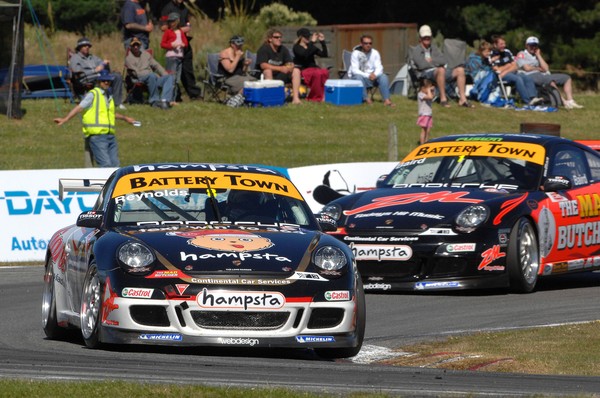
<point>477,211</point>
<point>206,255</point>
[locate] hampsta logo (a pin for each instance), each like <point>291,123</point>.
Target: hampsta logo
<point>240,300</point>
<point>225,240</point>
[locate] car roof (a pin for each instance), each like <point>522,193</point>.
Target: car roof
<point>530,138</point>
<point>203,167</point>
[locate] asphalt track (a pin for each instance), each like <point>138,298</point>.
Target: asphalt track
<point>393,320</point>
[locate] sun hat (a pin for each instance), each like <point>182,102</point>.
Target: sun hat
<point>84,41</point>
<point>135,41</point>
<point>237,40</point>
<point>105,76</point>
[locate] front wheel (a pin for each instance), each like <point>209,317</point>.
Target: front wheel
<point>91,307</point>
<point>523,257</point>
<point>361,311</point>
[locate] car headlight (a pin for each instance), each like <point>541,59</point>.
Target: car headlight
<point>330,258</point>
<point>472,217</point>
<point>332,210</point>
<point>135,257</point>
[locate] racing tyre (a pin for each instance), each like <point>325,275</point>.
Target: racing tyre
<point>91,307</point>
<point>523,257</point>
<point>361,311</point>
<point>49,323</point>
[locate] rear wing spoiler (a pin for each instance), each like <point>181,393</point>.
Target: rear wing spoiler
<point>79,185</point>
<point>594,144</point>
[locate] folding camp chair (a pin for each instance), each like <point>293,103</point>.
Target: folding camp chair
<point>135,89</point>
<point>214,82</point>
<point>76,80</point>
<point>346,57</point>
<point>253,69</point>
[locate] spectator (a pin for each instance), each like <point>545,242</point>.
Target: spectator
<point>89,66</point>
<point>365,65</point>
<point>276,63</point>
<point>188,78</point>
<point>430,63</point>
<point>148,71</point>
<point>174,41</point>
<point>424,99</point>
<point>504,65</point>
<point>532,64</point>
<point>234,66</point>
<point>304,59</point>
<point>135,23</point>
<point>480,70</point>
<point>99,121</point>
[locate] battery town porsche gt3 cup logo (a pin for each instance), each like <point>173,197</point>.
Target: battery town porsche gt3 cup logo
<point>232,300</point>
<point>225,240</point>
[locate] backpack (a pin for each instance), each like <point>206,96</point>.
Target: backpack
<point>550,95</point>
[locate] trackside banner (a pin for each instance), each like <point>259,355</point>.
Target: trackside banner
<point>30,211</point>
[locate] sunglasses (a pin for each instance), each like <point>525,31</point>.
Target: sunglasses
<point>276,37</point>
<point>367,43</point>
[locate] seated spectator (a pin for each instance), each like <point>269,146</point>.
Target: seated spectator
<point>532,64</point>
<point>430,63</point>
<point>365,65</point>
<point>148,71</point>
<point>88,66</point>
<point>505,66</point>
<point>175,42</point>
<point>234,66</point>
<point>304,59</point>
<point>276,63</point>
<point>480,70</point>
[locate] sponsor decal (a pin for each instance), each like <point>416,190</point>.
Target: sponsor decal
<point>546,226</point>
<point>108,304</point>
<point>134,292</point>
<point>238,341</point>
<point>578,235</point>
<point>181,288</point>
<point>149,195</point>
<point>166,274</point>
<point>489,256</point>
<point>168,180</point>
<point>438,231</point>
<point>380,238</point>
<point>315,339</point>
<point>337,295</point>
<point>436,285</point>
<point>241,281</point>
<point>222,299</point>
<point>473,185</point>
<point>589,205</point>
<point>460,247</point>
<point>377,286</point>
<point>381,252</point>
<point>423,197</point>
<point>234,256</point>
<point>516,150</point>
<point>307,276</point>
<point>228,240</point>
<point>161,336</point>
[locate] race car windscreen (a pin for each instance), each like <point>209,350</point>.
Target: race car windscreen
<point>506,173</point>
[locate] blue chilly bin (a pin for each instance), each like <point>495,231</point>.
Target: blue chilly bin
<point>343,92</point>
<point>264,93</point>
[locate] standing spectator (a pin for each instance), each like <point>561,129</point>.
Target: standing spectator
<point>276,63</point>
<point>532,64</point>
<point>304,58</point>
<point>505,66</point>
<point>148,71</point>
<point>430,63</point>
<point>188,78</point>
<point>135,23</point>
<point>365,65</point>
<point>89,66</point>
<point>424,99</point>
<point>174,41</point>
<point>99,121</point>
<point>234,66</point>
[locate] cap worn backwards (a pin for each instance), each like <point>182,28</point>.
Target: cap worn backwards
<point>237,40</point>
<point>532,40</point>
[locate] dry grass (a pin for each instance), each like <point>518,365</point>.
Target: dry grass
<point>561,350</point>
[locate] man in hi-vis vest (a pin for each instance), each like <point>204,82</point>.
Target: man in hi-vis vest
<point>99,121</point>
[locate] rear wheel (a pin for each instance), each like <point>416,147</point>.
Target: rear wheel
<point>361,311</point>
<point>523,257</point>
<point>91,307</point>
<point>49,323</point>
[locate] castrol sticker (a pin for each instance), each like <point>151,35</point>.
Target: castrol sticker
<point>135,292</point>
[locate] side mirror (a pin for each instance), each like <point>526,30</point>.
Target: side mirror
<point>556,183</point>
<point>379,183</point>
<point>326,223</point>
<point>90,219</point>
